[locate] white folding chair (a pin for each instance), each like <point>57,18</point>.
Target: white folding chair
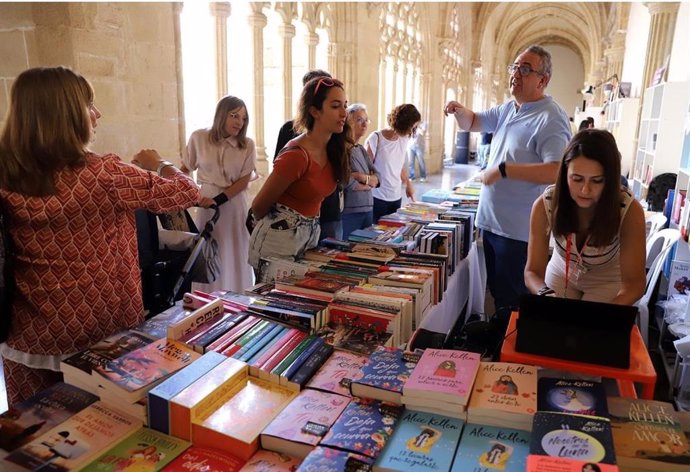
<point>658,249</point>
<point>653,223</point>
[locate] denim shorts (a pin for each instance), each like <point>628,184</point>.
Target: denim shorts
<point>283,233</point>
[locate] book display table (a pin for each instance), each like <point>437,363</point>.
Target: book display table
<point>641,368</point>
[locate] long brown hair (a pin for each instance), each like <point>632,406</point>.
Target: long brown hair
<point>600,146</point>
<point>337,146</point>
<point>223,108</point>
<point>48,128</point>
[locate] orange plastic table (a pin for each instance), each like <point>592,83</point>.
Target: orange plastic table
<point>641,369</point>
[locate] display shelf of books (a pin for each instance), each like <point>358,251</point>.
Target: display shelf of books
<point>621,120</point>
<point>683,180</point>
<point>660,134</point>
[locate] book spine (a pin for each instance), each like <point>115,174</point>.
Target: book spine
<point>274,376</point>
<point>301,359</point>
<point>196,318</point>
<point>280,354</point>
<point>212,334</point>
<point>260,342</point>
<point>310,366</point>
<point>194,334</point>
<point>262,357</point>
<point>289,317</point>
<point>246,338</point>
<point>233,335</point>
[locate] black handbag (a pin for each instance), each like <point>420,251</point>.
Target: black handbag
<point>250,222</point>
<point>7,283</point>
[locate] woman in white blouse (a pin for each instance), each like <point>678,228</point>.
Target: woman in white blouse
<point>224,158</point>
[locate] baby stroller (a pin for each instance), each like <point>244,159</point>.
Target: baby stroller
<point>173,253</point>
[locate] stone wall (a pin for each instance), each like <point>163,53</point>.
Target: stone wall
<point>128,51</point>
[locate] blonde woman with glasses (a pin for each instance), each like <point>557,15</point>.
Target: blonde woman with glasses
<point>359,201</point>
<point>225,158</point>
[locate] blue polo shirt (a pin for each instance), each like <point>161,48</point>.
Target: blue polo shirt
<point>537,133</point>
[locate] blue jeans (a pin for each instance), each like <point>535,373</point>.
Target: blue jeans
<point>383,208</point>
<point>505,270</point>
<point>417,154</point>
<point>353,221</point>
<point>331,229</point>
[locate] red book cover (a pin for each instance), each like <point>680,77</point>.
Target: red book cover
<point>204,459</point>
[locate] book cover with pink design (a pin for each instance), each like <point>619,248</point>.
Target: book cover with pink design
<point>504,395</point>
<point>300,426</point>
<point>325,459</point>
<point>443,375</point>
<point>269,461</point>
<point>338,372</point>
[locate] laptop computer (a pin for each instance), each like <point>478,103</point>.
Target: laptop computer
<point>575,330</point>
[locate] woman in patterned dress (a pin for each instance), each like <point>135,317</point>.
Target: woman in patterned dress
<point>224,158</point>
<point>71,220</point>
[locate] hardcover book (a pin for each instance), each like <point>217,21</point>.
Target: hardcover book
<point>504,395</point>
<point>364,427</point>
<point>76,441</point>
<point>31,418</point>
<point>578,437</point>
<point>575,397</point>
<point>421,442</point>
<point>145,450</point>
<point>212,310</point>
<point>157,326</point>
<point>78,367</point>
<point>236,425</point>
<point>269,461</point>
<point>485,448</point>
<point>202,396</point>
<point>443,375</point>
<point>324,459</point>
<point>204,459</point>
<point>383,376</point>
<point>300,426</point>
<point>338,372</point>
<point>131,376</point>
<point>647,435</point>
<point>159,396</point>
<point>307,370</point>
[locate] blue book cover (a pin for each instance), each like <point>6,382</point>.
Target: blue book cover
<point>301,359</point>
<point>486,448</point>
<point>364,427</point>
<point>324,459</point>
<point>160,395</point>
<point>386,369</point>
<point>266,339</point>
<point>572,396</point>
<point>584,438</point>
<point>421,442</point>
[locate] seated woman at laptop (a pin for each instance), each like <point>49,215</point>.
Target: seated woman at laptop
<point>595,221</point>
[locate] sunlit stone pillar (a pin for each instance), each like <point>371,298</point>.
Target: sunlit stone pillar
<point>221,11</point>
<point>661,29</point>
<point>258,22</point>
<point>287,32</point>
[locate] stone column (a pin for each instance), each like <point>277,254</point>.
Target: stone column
<point>287,32</point>
<point>221,11</point>
<point>333,59</point>
<point>258,21</point>
<point>404,98</point>
<point>312,40</point>
<point>177,11</point>
<point>614,56</point>
<point>382,96</point>
<point>661,30</point>
<point>394,87</point>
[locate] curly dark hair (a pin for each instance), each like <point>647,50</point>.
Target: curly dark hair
<point>403,118</point>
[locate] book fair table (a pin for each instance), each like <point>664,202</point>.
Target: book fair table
<point>641,368</point>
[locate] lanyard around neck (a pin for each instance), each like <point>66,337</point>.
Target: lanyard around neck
<point>578,262</point>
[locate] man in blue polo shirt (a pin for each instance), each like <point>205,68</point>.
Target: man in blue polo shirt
<point>530,133</point>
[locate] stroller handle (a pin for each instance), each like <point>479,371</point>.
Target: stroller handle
<point>216,213</point>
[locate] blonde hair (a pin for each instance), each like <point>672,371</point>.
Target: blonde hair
<point>48,128</point>
<point>223,108</point>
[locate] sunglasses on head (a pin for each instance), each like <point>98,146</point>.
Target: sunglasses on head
<point>328,82</point>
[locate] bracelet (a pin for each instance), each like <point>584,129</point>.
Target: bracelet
<point>502,170</point>
<point>162,165</point>
<point>545,290</point>
<point>366,182</point>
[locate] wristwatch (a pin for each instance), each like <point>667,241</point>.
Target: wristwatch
<point>502,170</point>
<point>162,165</point>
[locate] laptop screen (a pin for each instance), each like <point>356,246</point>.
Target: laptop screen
<point>582,331</point>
